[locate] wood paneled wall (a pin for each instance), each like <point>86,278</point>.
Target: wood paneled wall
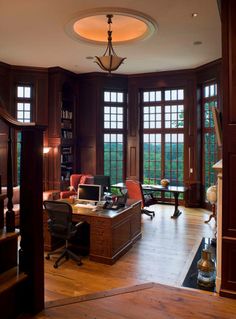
<point>58,78</point>
<point>90,118</point>
<point>5,83</point>
<point>90,143</point>
<point>88,90</point>
<point>9,77</point>
<point>228,286</point>
<point>38,78</point>
<point>4,100</point>
<point>162,80</point>
<point>204,74</point>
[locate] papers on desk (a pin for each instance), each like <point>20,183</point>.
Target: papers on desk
<point>147,186</point>
<point>90,206</point>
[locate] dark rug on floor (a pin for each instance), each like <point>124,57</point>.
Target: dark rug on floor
<point>191,277</point>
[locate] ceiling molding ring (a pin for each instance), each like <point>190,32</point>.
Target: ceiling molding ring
<point>128,26</point>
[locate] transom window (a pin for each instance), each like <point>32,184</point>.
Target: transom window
<point>24,103</point>
<point>174,115</point>
<point>152,117</point>
<point>113,117</point>
<point>163,136</point>
<point>114,125</point>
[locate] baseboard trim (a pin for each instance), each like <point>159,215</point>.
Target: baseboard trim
<point>228,293</point>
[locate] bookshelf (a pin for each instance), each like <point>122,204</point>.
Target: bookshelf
<point>67,137</point>
<point>62,128</point>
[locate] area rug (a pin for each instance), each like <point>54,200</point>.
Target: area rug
<point>191,277</point>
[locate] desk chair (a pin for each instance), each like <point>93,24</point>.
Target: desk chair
<point>75,180</point>
<point>135,191</point>
<point>60,226</point>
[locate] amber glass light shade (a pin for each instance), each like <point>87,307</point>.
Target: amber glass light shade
<point>109,61</point>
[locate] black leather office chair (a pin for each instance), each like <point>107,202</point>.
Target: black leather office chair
<point>60,226</point>
<point>135,191</point>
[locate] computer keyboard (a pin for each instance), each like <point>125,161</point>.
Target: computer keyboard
<point>85,205</point>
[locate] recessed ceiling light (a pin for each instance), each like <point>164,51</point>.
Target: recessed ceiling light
<point>197,42</point>
<point>194,14</point>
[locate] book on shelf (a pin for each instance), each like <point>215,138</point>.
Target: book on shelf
<point>66,150</point>
<point>66,158</point>
<point>65,124</point>
<point>65,176</point>
<point>65,114</point>
<point>67,134</point>
<point>65,168</point>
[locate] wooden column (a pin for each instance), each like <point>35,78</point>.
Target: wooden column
<point>31,217</point>
<point>228,285</point>
<point>133,136</point>
<point>10,214</point>
<point>218,168</point>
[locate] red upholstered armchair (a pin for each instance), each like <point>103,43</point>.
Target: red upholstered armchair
<point>75,180</point>
<point>135,191</point>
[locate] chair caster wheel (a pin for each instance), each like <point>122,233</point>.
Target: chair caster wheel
<point>47,257</point>
<point>55,266</point>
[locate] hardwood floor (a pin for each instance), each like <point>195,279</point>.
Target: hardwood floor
<point>149,301</point>
<point>163,255</point>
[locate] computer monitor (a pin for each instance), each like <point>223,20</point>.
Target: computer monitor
<point>89,192</point>
<point>104,181</point>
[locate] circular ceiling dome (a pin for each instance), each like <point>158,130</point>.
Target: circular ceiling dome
<point>127,25</point>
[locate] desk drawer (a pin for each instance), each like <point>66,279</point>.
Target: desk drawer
<point>81,218</point>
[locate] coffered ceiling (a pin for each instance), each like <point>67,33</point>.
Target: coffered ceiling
<point>35,33</point>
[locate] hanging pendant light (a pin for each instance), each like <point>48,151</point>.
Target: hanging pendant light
<point>109,61</point>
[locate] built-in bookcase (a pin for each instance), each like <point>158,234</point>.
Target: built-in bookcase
<point>61,128</point>
<point>67,137</point>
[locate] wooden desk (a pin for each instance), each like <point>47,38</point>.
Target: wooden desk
<point>176,190</point>
<point>112,232</point>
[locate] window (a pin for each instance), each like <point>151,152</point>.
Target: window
<point>163,136</point>
<point>209,138</point>
<point>24,103</point>
<point>114,109</point>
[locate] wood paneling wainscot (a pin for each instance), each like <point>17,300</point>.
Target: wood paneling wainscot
<point>228,285</point>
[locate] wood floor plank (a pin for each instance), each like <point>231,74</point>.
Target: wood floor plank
<point>162,255</point>
<point>136,286</point>
<point>158,301</point>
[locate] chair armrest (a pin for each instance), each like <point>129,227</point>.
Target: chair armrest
<point>67,194</point>
<point>78,224</point>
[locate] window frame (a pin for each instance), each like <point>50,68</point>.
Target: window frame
<point>116,130</point>
<point>208,130</point>
<point>29,100</point>
<point>17,137</point>
<point>163,131</point>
